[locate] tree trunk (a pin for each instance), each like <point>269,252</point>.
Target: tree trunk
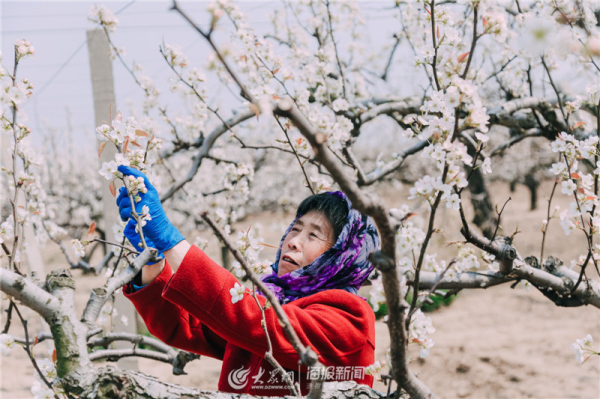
<point>225,258</point>
<point>532,182</point>
<point>484,215</point>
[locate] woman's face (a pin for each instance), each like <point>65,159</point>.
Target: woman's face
<point>311,236</point>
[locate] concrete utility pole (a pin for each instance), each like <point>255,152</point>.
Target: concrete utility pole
<point>32,253</point>
<point>104,110</point>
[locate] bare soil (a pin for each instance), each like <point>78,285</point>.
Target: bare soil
<point>495,343</point>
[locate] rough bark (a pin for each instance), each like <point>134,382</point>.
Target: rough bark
<point>70,335</point>
<point>28,293</point>
<point>112,382</point>
<point>99,296</point>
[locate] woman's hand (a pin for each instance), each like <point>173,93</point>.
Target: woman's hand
<point>152,269</point>
<point>157,228</point>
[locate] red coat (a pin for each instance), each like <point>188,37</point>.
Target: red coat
<point>192,310</point>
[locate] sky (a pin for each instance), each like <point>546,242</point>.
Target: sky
<point>60,69</point>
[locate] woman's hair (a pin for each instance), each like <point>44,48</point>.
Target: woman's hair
<point>334,207</point>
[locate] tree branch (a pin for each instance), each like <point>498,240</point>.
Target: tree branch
<point>392,166</point>
<point>99,296</point>
<point>205,147</point>
<point>28,293</point>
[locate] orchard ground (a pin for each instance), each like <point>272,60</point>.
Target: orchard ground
<point>494,343</point>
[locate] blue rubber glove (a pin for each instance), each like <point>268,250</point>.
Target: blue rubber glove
<point>159,229</point>
<point>134,239</point>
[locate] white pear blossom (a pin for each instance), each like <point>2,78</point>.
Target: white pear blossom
<point>201,243</point>
<point>320,184</point>
<point>568,187</point>
<point>40,390</point>
<point>486,166</point>
<point>24,48</point>
<point>340,104</point>
<point>237,293</point>
<point>104,16</point>
<point>582,348</point>
<point>47,368</point>
<point>482,137</point>
<point>453,201</point>
<point>374,368</point>
<point>78,248</point>
<point>7,342</point>
<point>145,217</point>
<point>109,170</point>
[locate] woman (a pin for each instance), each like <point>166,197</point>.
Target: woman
<point>321,263</point>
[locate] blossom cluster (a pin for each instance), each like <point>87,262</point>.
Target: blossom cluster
<point>104,16</point>
<point>136,185</point>
<point>125,135</point>
<point>320,184</point>
<point>175,55</point>
<point>582,348</point>
<point>78,248</point>
<point>118,131</point>
<point>237,177</point>
<point>419,328</point>
<point>576,183</point>
<point>14,93</point>
<point>249,247</point>
<point>24,48</point>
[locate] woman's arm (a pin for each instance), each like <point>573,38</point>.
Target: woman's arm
<point>174,256</point>
<point>169,322</point>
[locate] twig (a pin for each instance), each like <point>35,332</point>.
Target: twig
<point>337,56</point>
<point>11,260</point>
<point>189,85</point>
<point>501,69</point>
<point>116,245</point>
<point>435,49</point>
<point>424,245</point>
<point>28,350</point>
<point>134,213</point>
<point>473,42</point>
<point>121,255</point>
<point>8,317</point>
<point>390,58</point>
<point>208,38</point>
<point>562,110</point>
<point>545,229</point>
<point>310,187</point>
<point>499,217</point>
<point>510,143</point>
<point>269,353</point>
<point>441,276</point>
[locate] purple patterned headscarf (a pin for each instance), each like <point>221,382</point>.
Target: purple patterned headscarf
<point>344,266</point>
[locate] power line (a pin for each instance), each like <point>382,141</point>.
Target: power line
<point>79,14</point>
<point>64,64</point>
<point>29,32</point>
